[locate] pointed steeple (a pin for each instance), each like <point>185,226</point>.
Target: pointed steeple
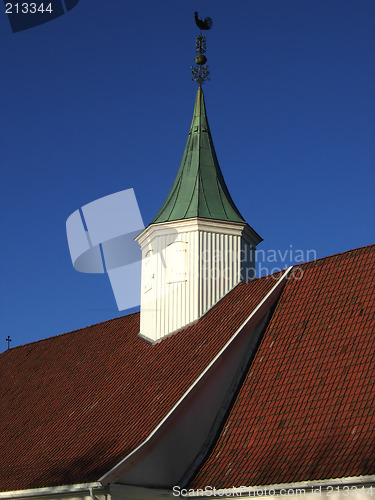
<point>199,189</point>
<point>198,247</point>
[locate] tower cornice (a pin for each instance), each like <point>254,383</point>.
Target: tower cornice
<point>200,224</point>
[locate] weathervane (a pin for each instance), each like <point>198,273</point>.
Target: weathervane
<point>8,339</point>
<point>200,71</point>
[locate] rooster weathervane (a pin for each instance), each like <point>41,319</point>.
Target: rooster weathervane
<point>200,71</point>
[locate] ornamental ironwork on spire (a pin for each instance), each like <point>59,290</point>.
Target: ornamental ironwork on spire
<point>199,189</point>
<point>200,71</point>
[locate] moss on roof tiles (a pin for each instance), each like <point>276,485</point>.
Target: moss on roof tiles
<point>199,189</point>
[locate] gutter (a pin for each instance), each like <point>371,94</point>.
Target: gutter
<point>302,489</point>
<point>56,490</point>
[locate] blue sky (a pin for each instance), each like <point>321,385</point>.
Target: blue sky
<point>100,100</point>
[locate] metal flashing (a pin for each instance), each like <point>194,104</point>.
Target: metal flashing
<point>113,474</point>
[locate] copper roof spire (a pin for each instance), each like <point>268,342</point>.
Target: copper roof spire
<point>199,189</point>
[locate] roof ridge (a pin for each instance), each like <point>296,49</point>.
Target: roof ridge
<point>131,314</point>
<point>372,245</point>
<point>67,333</point>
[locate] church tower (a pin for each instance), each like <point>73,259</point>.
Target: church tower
<point>198,247</point>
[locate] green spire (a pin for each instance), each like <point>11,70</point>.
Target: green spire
<point>199,189</point>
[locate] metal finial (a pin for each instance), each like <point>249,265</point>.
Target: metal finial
<point>200,72</point>
<point>8,339</point>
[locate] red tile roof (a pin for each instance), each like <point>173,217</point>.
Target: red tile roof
<point>306,409</point>
<point>74,405</point>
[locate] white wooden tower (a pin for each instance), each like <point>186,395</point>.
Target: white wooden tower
<point>198,247</point>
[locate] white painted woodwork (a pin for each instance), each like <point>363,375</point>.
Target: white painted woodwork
<point>188,266</point>
<point>347,488</point>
